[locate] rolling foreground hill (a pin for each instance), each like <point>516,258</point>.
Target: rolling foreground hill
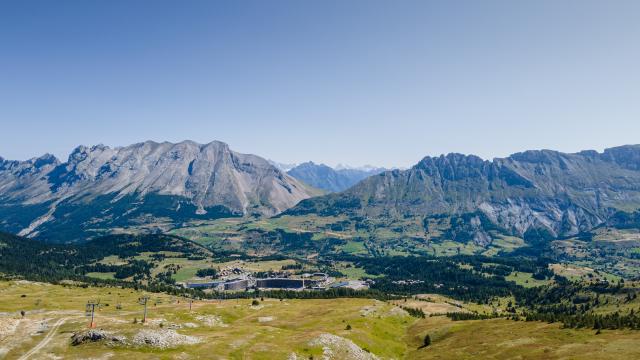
<point>541,194</point>
<point>145,183</point>
<point>54,325</point>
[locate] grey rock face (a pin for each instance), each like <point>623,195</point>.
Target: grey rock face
<point>561,193</point>
<point>25,179</point>
<point>205,176</point>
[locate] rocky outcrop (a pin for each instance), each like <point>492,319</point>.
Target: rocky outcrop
<point>163,339</point>
<point>96,335</point>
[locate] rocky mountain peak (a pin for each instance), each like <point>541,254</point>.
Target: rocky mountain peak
<point>537,156</point>
<point>46,159</point>
<point>627,156</point>
<point>185,179</point>
<point>451,159</point>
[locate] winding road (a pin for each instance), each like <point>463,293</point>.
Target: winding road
<point>44,341</point>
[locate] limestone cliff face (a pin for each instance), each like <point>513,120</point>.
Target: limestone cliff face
<point>197,178</point>
<point>561,193</point>
<point>25,179</point>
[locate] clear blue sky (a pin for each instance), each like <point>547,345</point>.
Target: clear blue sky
<point>379,82</point>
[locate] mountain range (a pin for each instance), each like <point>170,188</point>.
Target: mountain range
<point>546,193</point>
<point>157,186</point>
<point>103,188</point>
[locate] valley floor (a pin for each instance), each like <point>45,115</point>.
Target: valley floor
<point>274,329</point>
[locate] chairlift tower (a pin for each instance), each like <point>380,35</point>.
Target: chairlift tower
<point>143,301</point>
<point>90,310</point>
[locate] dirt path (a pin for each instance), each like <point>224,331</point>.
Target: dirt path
<point>44,341</point>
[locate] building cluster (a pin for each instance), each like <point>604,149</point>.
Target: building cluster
<point>230,272</point>
<point>244,281</point>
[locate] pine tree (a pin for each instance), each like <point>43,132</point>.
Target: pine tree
<point>427,341</point>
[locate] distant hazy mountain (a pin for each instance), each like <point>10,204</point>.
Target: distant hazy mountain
<point>549,192</point>
<point>101,187</point>
<point>333,180</point>
<point>282,166</point>
<point>365,168</point>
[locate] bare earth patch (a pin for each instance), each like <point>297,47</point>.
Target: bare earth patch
<point>14,331</point>
<point>211,320</point>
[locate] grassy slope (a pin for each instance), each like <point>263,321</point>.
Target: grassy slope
<point>294,324</point>
<point>526,279</point>
<point>505,339</point>
<point>394,237</point>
